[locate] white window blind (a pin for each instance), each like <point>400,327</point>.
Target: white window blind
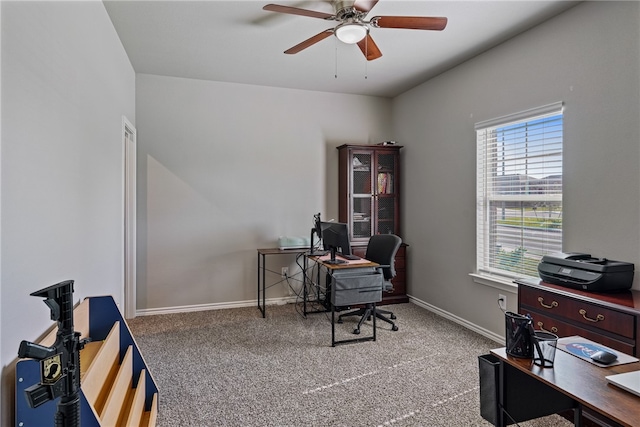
<point>519,191</point>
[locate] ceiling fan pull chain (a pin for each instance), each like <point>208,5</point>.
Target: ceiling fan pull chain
<point>336,55</point>
<point>366,57</point>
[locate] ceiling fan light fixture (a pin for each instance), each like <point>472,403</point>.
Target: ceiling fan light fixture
<point>351,32</point>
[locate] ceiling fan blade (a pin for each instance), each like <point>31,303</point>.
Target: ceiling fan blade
<point>369,48</point>
<point>410,22</point>
<point>297,11</point>
<point>310,41</point>
<point>364,5</point>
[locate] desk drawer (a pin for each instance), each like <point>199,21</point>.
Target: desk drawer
<point>562,329</point>
<point>582,312</point>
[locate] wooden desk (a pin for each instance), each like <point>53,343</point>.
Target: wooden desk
<point>571,383</point>
<point>335,270</point>
<point>262,253</point>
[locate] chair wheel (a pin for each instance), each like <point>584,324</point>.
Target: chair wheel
<point>356,331</point>
<point>393,317</point>
<point>394,328</point>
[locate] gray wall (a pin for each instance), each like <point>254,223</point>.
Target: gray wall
<point>66,83</point>
<point>225,169</point>
<point>570,58</point>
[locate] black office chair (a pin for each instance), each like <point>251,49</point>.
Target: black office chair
<point>382,249</point>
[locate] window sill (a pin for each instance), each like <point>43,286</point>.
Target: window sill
<point>501,283</point>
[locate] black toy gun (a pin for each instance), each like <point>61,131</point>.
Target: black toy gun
<point>60,363</point>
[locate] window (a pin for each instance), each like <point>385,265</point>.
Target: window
<point>519,191</point>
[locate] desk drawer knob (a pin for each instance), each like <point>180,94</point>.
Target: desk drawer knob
<point>553,304</point>
<point>599,317</point>
<point>541,327</point>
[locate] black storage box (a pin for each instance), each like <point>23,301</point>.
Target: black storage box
<point>489,370</point>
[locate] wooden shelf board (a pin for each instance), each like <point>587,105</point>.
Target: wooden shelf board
<point>101,366</point>
<point>112,410</point>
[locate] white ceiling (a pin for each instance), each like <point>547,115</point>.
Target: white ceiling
<point>237,41</point>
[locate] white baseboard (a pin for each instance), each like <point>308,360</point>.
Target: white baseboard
<point>459,320</point>
<point>213,306</point>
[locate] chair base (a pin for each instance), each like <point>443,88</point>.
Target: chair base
<point>366,312</point>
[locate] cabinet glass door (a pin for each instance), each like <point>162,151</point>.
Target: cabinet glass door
<point>386,193</point>
<point>362,194</point>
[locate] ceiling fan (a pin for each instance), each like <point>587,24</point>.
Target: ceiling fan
<point>353,26</point>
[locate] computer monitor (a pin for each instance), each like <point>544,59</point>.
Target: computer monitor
<point>335,237</point>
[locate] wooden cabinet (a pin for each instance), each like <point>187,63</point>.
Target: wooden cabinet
<point>369,202</point>
<point>369,190</point>
<point>610,319</point>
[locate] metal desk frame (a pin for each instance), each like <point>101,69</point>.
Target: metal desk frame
<point>262,254</point>
<point>332,268</point>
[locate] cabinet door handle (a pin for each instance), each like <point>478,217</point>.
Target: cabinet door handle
<point>541,327</point>
<point>553,304</point>
<point>599,317</point>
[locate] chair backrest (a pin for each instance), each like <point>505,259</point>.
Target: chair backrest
<point>382,248</point>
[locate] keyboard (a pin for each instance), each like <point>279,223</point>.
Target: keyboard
<point>350,257</point>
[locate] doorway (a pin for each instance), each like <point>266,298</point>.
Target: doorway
<point>129,139</point>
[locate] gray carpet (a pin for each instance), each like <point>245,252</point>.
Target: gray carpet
<point>234,368</point>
